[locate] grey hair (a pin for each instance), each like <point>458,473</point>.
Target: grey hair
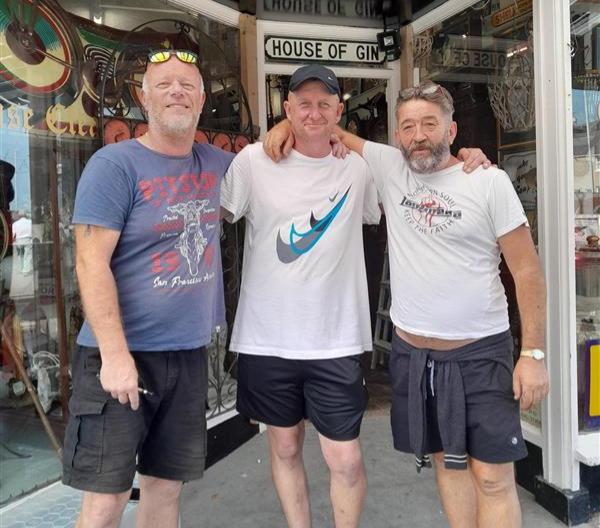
<point>430,92</point>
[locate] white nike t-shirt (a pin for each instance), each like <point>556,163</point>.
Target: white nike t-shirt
<point>304,286</point>
<point>442,242</point>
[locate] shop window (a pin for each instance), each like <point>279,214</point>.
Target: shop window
<point>585,46</point>
<point>484,57</point>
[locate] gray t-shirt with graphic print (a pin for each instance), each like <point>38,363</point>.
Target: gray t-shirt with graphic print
<point>167,263</point>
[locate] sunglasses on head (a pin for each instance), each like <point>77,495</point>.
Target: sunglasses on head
<point>417,91</point>
<point>158,56</point>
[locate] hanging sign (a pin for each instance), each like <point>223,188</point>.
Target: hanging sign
<point>511,11</point>
<point>301,49</point>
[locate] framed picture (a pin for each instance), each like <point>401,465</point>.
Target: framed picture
<point>520,165</point>
<point>512,140</point>
<point>586,225</point>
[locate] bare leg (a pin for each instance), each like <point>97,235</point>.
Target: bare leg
<point>289,476</point>
<point>348,480</point>
<point>102,510</point>
<point>159,503</point>
<point>497,499</point>
<point>457,493</point>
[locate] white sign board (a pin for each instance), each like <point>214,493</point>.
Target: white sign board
<point>298,49</point>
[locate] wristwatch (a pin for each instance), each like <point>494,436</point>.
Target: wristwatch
<point>534,353</point>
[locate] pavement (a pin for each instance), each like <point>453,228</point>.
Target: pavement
<point>238,491</point>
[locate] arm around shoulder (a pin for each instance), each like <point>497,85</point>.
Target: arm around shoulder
<point>353,142</point>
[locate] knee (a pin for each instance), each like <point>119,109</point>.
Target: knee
<point>102,509</point>
<point>156,489</point>
<point>494,481</point>
<point>346,464</point>
<point>287,450</point>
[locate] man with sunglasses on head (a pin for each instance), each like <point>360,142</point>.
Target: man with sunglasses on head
<point>455,393</point>
<point>149,268</point>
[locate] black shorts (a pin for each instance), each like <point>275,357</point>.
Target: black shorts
<point>331,393</point>
<point>492,414</point>
<point>167,433</point>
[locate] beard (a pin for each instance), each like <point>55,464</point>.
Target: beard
<point>436,159</point>
<point>177,126</point>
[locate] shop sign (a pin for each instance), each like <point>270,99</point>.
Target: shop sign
<point>514,10</point>
<point>339,8</point>
<point>298,49</point>
<point>469,58</point>
<point>57,121</point>
<point>344,12</point>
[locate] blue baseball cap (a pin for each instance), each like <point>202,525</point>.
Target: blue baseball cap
<point>315,72</point>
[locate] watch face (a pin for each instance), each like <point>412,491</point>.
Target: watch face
<point>534,353</point>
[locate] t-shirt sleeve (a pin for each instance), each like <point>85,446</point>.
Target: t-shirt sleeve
<point>237,186</point>
<point>371,209</point>
<point>382,160</point>
<point>226,158</point>
<point>104,195</point>
<point>506,209</point>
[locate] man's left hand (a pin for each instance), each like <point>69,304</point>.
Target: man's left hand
<point>530,382</point>
<point>473,158</point>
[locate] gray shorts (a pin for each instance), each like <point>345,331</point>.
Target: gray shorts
<point>492,414</point>
<point>167,434</point>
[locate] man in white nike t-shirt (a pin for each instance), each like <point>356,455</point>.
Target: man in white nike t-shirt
<point>455,394</point>
<point>303,316</point>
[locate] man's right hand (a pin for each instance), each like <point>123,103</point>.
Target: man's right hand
<point>279,141</point>
<point>120,377</point>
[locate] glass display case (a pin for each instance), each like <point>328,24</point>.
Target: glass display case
<point>585,67</point>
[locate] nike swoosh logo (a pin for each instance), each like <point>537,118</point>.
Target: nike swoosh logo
<point>334,196</point>
<point>302,242</point>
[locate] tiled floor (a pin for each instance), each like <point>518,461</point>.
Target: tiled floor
<point>53,507</point>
